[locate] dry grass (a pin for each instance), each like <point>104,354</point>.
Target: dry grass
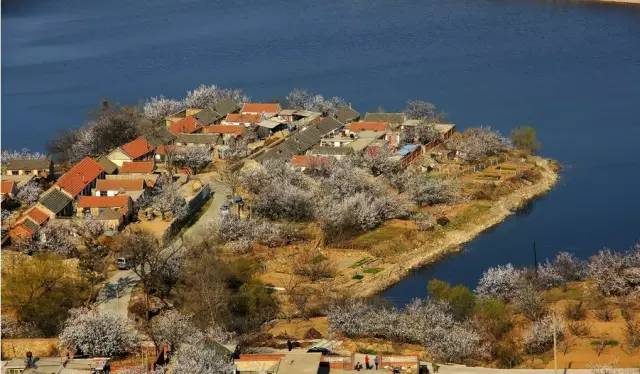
<point>40,347</point>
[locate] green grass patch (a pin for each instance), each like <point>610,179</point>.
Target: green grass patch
<point>357,277</point>
<point>380,234</point>
<point>360,262</point>
<point>606,342</point>
<point>469,215</point>
<point>372,270</point>
<point>366,351</point>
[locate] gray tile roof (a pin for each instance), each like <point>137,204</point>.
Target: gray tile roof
<point>385,117</point>
<point>301,141</point>
<point>31,225</point>
<point>198,138</point>
<point>55,200</point>
<point>23,164</point>
<point>331,151</point>
<point>108,166</point>
<point>159,135</point>
<point>208,116</point>
<point>225,107</point>
<point>347,114</point>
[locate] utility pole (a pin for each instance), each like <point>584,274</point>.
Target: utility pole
<point>535,258</point>
<point>555,349</point>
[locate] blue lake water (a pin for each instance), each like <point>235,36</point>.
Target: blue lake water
<point>571,69</point>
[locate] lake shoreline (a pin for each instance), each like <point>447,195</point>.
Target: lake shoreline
<point>398,267</point>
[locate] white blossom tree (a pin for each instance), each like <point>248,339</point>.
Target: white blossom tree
<point>422,110</point>
<point>611,274</point>
<point>195,158</point>
<point>157,108</point>
<point>173,328</point>
<point>23,154</point>
<point>302,99</point>
<point>206,96</point>
<point>425,190</point>
<point>97,334</point>
<point>166,199</point>
<point>474,144</point>
<point>499,282</point>
<point>539,338</point>
<point>201,357</point>
<point>29,193</point>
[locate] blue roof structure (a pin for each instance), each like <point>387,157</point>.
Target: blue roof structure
<point>407,149</point>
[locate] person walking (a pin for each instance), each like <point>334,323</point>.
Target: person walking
<point>289,345</point>
<point>435,367</point>
<point>366,362</point>
<point>376,361</point>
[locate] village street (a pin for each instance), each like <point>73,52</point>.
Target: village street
<point>115,295</point>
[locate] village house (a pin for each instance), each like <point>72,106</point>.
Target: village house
<point>408,153</point>
<point>356,127</point>
<point>445,130</point>
<point>133,188</point>
<point>8,189</point>
<point>81,178</point>
<point>224,107</point>
<point>135,150</point>
<point>187,125</point>
<point>309,162</point>
<point>347,114</point>
<point>57,365</point>
<point>137,167</point>
<point>198,140</point>
<point>106,164</point>
<point>298,117</point>
<point>178,116</point>
<point>111,211</point>
<point>266,110</point>
<point>225,131</point>
<point>39,167</point>
<point>56,203</point>
<point>395,120</point>
<point>207,117</point>
<point>268,127</point>
<point>301,141</point>
<point>238,119</point>
<point>336,152</point>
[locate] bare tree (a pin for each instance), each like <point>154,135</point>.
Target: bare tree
<point>156,266</point>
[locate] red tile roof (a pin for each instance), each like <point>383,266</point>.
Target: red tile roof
<point>37,215</point>
<point>367,126</point>
<point>137,148</point>
<point>79,176</point>
<point>260,108</point>
<point>224,129</point>
<point>7,187</point>
<point>186,125</point>
<point>121,201</point>
<point>137,167</point>
<point>20,231</point>
<point>162,149</point>
<point>243,118</point>
<point>120,184</point>
<point>308,161</point>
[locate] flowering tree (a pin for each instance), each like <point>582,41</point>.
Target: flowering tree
<point>23,154</point>
<point>426,190</point>
<point>530,303</point>
<point>564,268</point>
<point>499,282</point>
<point>611,274</point>
<point>195,158</point>
<point>207,96</point>
<point>475,144</point>
<point>166,199</point>
<point>173,328</point>
<point>29,193</point>
<point>424,132</point>
<point>302,99</point>
<point>156,108</point>
<point>201,357</point>
<point>422,110</point>
<point>97,334</point>
<point>539,338</point>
